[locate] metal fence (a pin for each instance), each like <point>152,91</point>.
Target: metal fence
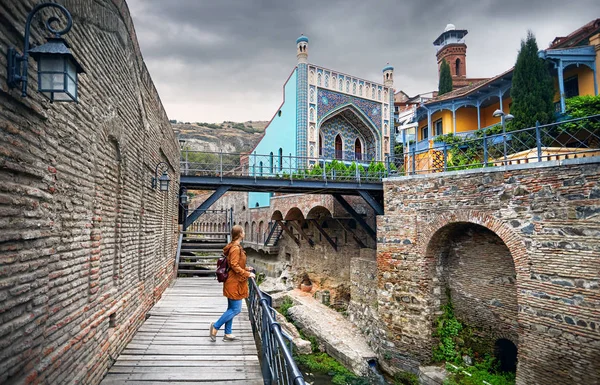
<point>574,138</point>
<point>272,166</point>
<point>476,149</point>
<point>277,363</point>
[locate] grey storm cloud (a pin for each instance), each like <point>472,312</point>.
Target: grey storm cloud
<point>215,60</point>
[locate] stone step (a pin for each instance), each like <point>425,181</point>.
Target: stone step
<point>196,272</point>
<point>197,264</point>
<point>196,257</point>
<point>202,250</point>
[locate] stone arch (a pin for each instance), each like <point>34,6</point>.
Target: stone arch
<point>294,214</point>
<point>507,235</point>
<point>319,213</point>
<point>277,216</point>
<point>253,231</point>
<point>478,295</point>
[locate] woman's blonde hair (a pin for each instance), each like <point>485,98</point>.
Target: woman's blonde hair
<point>236,232</point>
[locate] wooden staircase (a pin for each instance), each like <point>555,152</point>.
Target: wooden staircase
<point>199,252</point>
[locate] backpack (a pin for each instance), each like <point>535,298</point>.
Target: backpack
<point>222,268</point>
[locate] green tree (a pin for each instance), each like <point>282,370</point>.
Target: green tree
<point>532,88</point>
<point>445,84</point>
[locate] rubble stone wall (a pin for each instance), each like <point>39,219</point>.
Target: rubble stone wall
<point>545,216</point>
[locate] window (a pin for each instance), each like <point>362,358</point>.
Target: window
<point>280,159</point>
<point>354,88</point>
<point>320,144</point>
<point>571,87</point>
<point>319,77</point>
<point>348,86</point>
<point>260,168</point>
<point>341,87</point>
<point>357,149</point>
<point>339,147</point>
<point>327,81</point>
<point>457,67</point>
<point>312,95</point>
<point>424,133</point>
<point>271,159</point>
<point>439,129</point>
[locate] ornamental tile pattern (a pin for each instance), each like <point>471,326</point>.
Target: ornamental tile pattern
<point>329,100</point>
<point>338,125</point>
<point>301,109</point>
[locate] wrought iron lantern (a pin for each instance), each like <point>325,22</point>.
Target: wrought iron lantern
<point>183,198</point>
<point>57,67</point>
<point>162,181</point>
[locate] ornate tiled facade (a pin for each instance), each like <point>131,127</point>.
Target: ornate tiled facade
<point>338,125</point>
<point>327,100</point>
<point>301,110</point>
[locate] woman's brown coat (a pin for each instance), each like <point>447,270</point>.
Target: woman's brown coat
<point>236,285</point>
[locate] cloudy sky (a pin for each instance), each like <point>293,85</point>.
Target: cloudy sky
<point>216,60</point>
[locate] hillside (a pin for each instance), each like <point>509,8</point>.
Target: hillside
<point>229,137</point>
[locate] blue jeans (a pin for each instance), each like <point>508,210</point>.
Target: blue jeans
<point>234,307</point>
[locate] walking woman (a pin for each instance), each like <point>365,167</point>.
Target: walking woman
<point>235,288</point>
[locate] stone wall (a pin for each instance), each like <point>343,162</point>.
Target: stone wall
<point>547,215</point>
<point>86,246</point>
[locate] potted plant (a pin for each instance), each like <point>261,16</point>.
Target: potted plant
<point>306,284</point>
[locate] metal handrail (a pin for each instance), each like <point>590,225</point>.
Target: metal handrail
<point>573,138</point>
<point>278,365</point>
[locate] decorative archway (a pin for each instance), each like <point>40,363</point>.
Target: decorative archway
<point>352,123</point>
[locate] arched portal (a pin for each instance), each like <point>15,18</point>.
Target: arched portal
<point>294,214</point>
<point>474,269</point>
<point>349,123</point>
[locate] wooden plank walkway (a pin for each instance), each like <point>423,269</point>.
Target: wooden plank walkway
<point>173,347</point>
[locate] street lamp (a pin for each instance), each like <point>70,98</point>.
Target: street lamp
<point>163,181</point>
<point>57,67</point>
<point>503,119</point>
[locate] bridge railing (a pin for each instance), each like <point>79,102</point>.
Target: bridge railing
<point>574,138</point>
<point>278,365</point>
<point>347,167</point>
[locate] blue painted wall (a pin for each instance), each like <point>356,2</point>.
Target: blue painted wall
<point>279,134</point>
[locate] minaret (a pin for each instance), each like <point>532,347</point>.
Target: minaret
<point>388,121</point>
<point>302,49</point>
<point>451,46</point>
<point>302,97</point>
<point>388,77</point>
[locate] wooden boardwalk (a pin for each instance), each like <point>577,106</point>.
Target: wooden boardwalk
<point>173,347</point>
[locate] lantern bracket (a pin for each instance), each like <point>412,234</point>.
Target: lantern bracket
<point>17,64</point>
<point>155,178</point>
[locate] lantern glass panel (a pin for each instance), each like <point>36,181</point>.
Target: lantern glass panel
<point>51,63</point>
<point>52,81</point>
<point>164,185</point>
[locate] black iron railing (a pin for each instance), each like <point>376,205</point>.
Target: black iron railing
<point>575,138</point>
<point>476,149</point>
<point>277,363</point>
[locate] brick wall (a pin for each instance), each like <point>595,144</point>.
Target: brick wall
<point>546,215</point>
<point>84,240</point>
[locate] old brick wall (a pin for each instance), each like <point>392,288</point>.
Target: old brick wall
<point>548,217</point>
<point>86,246</point>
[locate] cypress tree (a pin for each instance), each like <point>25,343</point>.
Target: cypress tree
<point>532,88</point>
<point>445,84</point>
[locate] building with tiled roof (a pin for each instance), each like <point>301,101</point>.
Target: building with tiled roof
<point>574,60</point>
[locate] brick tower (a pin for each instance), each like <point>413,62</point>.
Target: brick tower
<point>450,45</point>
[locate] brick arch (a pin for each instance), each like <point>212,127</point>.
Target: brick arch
<point>512,240</point>
<point>442,223</point>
